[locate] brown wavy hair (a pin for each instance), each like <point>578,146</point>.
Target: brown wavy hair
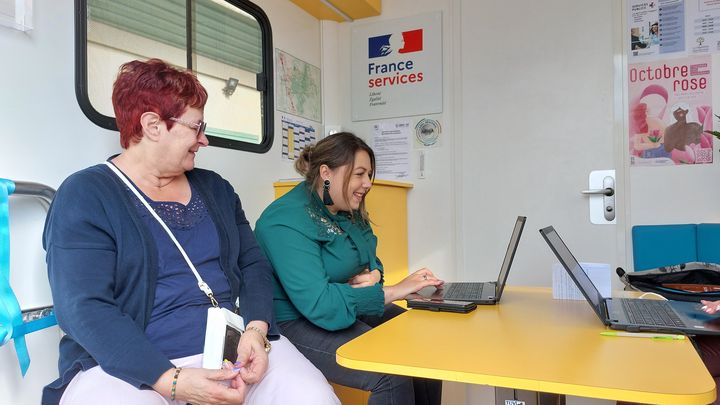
<point>335,150</point>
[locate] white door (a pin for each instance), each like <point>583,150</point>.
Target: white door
<point>539,87</point>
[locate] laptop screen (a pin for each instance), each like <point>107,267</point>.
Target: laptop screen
<point>509,255</point>
<point>575,270</point>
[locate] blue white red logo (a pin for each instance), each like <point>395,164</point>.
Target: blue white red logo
<point>404,42</point>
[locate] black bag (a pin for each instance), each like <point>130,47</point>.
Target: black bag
<point>695,273</point>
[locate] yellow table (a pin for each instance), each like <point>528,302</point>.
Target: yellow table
<point>532,342</point>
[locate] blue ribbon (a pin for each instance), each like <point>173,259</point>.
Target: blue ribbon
<point>11,321</point>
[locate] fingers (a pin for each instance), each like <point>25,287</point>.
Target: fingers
<point>238,383</point>
<point>252,357</point>
<point>224,374</point>
<point>200,386</point>
<point>365,278</point>
<point>254,371</point>
<point>425,272</point>
<point>433,282</point>
<point>427,277</point>
<point>710,307</point>
<point>413,283</point>
<point>359,279</point>
<point>362,285</point>
<point>244,352</point>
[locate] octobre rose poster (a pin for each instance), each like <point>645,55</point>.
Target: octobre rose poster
<point>669,112</point>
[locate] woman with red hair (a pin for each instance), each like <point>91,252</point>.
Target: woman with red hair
<point>139,248</point>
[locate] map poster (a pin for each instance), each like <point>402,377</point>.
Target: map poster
<point>297,87</point>
<point>670,111</point>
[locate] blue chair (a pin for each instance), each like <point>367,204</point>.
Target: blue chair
<point>666,245</point>
<point>708,243</point>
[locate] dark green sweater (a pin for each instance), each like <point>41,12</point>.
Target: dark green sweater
<point>314,254</point>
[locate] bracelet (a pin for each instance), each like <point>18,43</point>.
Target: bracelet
<point>174,383</point>
<point>266,342</point>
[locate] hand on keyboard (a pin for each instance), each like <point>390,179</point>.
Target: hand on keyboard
<point>710,307</point>
<point>410,284</point>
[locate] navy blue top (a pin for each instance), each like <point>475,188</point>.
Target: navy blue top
<point>179,314</point>
<point>103,269</point>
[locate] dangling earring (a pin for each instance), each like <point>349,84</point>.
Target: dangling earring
<point>327,200</point>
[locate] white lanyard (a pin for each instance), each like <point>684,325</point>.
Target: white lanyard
<point>203,286</point>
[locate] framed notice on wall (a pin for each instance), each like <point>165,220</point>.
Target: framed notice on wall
<point>397,68</point>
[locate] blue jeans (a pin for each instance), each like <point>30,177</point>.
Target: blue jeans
<point>319,346</point>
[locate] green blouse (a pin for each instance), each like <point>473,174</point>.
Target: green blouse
<point>314,254</point>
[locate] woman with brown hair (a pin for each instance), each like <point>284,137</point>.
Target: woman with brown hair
<point>328,284</point>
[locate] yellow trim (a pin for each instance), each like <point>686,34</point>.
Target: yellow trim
<point>352,8</point>
<point>358,8</point>
<point>291,143</point>
<point>318,10</point>
<point>533,342</point>
<point>350,396</point>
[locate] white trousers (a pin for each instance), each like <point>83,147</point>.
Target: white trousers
<point>290,379</point>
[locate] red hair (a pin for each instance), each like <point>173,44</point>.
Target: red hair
<point>152,86</point>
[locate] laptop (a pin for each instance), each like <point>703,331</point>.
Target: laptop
<point>483,293</point>
<point>633,314</point>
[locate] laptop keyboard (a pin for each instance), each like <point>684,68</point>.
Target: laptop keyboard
<point>651,312</point>
<point>463,291</point>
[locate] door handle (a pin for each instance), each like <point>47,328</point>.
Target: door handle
<point>609,192</point>
<point>606,194</point>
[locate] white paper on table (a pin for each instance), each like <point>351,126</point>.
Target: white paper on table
<point>564,287</point>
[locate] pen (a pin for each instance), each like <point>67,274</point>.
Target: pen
<point>654,336</point>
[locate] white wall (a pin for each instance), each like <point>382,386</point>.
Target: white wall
<point>504,76</point>
<point>431,212</point>
<point>45,137</point>
<point>676,194</point>
<point>537,116</point>
<point>508,80</point>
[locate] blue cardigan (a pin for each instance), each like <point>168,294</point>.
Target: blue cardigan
<point>102,265</point>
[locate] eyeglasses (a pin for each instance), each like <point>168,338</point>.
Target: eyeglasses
<point>198,126</point>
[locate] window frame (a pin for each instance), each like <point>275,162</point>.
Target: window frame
<point>264,82</point>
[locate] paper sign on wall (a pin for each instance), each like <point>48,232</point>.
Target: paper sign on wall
<point>391,144</point>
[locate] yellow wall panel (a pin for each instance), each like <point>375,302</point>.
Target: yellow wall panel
<point>318,10</point>
<point>352,8</point>
<point>359,8</point>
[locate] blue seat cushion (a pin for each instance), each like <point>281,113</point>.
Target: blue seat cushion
<point>708,243</point>
<point>664,245</point>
